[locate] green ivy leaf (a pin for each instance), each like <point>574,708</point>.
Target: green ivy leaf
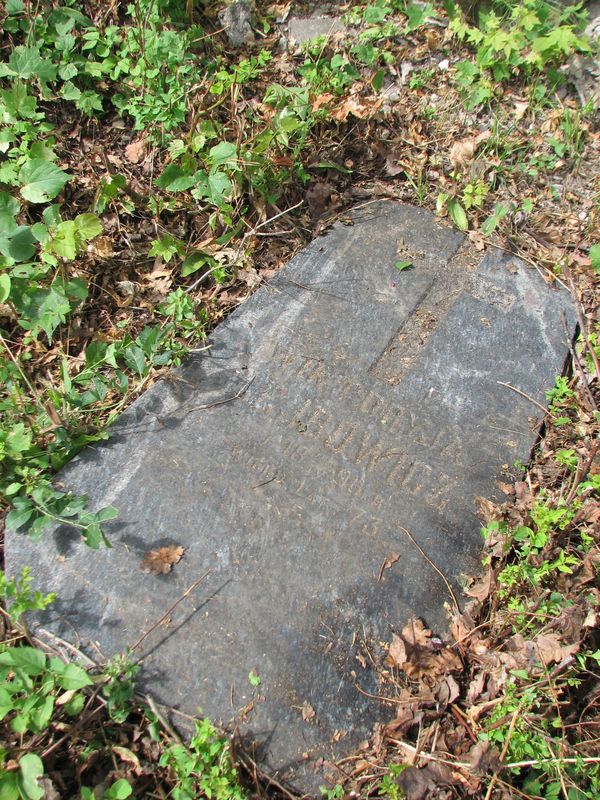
<point>166,247</point>
<point>135,359</point>
<point>41,181</point>
<point>458,215</point>
<point>63,242</point>
<point>22,244</point>
<point>120,790</point>
<point>26,62</point>
<point>254,678</point>
<point>21,513</point>
<point>4,287</point>
<point>74,677</point>
<point>88,226</point>
<point>31,768</point>
<point>8,204</point>
<point>595,257</point>
<point>224,153</point>
<point>194,262</point>
<point>18,102</point>
<point>28,659</point>
<point>175,179</point>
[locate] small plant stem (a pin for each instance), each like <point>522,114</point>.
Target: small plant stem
<point>589,397</point>
<point>582,472</point>
<point>56,518</point>
<point>171,608</point>
<point>433,566</point>
<point>509,734</point>
<point>65,644</point>
<point>527,397</point>
<point>28,383</point>
<point>583,329</point>
<point>540,761</point>
<point>256,228</point>
<point>162,719</point>
<point>76,725</point>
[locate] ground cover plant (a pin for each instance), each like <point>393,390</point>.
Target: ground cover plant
<point>151,177</point>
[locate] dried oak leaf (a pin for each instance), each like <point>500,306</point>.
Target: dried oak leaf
<point>415,633</point>
<point>414,653</point>
<point>393,166</point>
<point>462,153</point>
<point>483,758</point>
<point>551,649</point>
<point>318,198</point>
<point>421,783</point>
<point>447,692</point>
<point>161,561</point>
<point>481,589</point>
<point>488,511</point>
<point>308,711</point>
<point>135,151</point>
<point>361,110</point>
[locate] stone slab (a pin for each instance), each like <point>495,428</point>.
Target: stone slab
<point>305,29</point>
<point>369,401</point>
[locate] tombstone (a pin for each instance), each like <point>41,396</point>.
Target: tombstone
<point>346,403</point>
<point>305,29</point>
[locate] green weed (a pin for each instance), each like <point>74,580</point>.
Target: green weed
<point>512,39</point>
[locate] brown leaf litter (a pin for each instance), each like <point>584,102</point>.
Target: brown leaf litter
<point>160,562</point>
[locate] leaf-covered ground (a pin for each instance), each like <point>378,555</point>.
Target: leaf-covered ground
<point>151,177</point>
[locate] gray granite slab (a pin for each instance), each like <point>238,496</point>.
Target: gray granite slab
<point>369,401</point>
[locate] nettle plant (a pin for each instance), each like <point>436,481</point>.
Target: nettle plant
<point>515,40</point>
<point>60,56</point>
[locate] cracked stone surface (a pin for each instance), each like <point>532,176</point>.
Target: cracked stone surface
<point>342,403</point>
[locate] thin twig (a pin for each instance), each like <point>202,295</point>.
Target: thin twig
<point>433,566</point>
<point>530,261</point>
<point>391,700</point>
<point>252,232</point>
<point>30,386</point>
<point>583,471</point>
<point>171,608</point>
<point>249,762</point>
<point>509,734</point>
<point>429,757</point>
<point>538,762</point>
<point>163,721</point>
<point>577,361</point>
<point>220,402</point>
<point>527,397</point>
<point>583,329</point>
<point>64,643</point>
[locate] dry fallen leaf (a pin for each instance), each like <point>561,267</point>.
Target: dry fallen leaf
<point>249,276</point>
<point>482,588</point>
<point>389,561</point>
<point>160,561</point>
<point>128,757</point>
<point>415,633</point>
<point>551,649</point>
<point>135,151</point>
<point>308,711</point>
<point>361,110</point>
<point>462,153</point>
<point>483,758</point>
<point>417,657</point>
<point>396,656</point>
<point>393,167</point>
<point>448,691</point>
